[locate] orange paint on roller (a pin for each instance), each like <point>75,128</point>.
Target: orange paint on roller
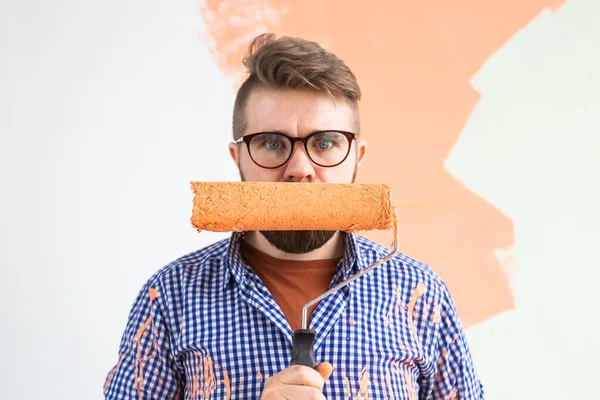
<point>250,206</point>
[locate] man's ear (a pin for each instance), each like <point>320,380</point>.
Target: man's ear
<point>233,152</point>
<point>361,151</point>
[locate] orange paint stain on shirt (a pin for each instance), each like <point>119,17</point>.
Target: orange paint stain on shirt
<point>437,314</point>
<point>386,318</point>
<point>210,382</point>
<point>347,383</point>
<point>196,389</point>
<point>454,340</point>
<point>452,395</point>
<point>159,380</point>
<point>399,302</point>
<point>203,381</point>
<point>403,346</point>
<point>363,385</point>
<point>394,309</point>
<point>440,364</point>
<point>412,394</point>
<point>142,329</point>
<point>227,383</point>
<point>388,382</point>
<point>137,339</point>
<point>415,314</point>
<point>417,293</point>
<point>351,321</point>
<point>259,376</point>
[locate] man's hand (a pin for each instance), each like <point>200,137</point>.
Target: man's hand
<point>298,383</point>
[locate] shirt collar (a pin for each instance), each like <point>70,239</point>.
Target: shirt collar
<point>235,271</point>
<point>235,265</point>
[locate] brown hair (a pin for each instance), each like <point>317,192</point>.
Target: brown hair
<point>291,63</point>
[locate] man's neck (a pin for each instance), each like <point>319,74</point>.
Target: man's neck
<point>334,248</point>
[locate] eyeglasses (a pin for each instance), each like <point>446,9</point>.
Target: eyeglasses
<point>273,149</point>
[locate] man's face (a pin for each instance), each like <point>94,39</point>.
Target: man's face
<point>297,113</point>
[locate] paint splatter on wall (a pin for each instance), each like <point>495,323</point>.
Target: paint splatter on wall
<point>413,62</point>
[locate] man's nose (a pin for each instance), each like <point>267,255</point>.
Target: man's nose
<point>299,168</point>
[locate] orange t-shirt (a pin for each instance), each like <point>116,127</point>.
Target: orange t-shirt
<point>291,283</point>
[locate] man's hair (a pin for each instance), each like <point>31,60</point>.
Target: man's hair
<point>291,63</point>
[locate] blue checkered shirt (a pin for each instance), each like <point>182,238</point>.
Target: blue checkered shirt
<point>205,327</point>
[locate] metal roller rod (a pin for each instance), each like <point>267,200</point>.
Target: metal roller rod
<point>348,281</point>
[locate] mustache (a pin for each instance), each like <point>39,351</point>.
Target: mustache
<point>298,242</point>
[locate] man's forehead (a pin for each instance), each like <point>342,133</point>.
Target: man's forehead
<point>296,112</point>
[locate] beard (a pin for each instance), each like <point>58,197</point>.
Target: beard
<point>298,242</point>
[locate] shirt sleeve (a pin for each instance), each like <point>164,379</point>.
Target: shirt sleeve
<point>146,368</point>
<point>455,376</point>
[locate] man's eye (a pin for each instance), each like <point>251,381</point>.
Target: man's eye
<point>273,145</point>
<point>325,144</point>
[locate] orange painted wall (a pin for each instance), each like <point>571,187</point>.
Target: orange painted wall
<point>413,61</point>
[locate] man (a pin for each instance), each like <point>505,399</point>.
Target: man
<point>218,322</point>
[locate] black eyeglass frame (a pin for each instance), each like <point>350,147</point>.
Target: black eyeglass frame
<point>248,138</point>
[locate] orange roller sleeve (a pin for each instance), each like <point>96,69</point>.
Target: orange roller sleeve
<point>250,206</point>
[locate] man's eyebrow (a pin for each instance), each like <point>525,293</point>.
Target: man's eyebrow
<point>286,133</point>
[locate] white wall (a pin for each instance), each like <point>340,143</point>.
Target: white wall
<point>108,109</point>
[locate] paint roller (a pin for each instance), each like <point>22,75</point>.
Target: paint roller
<point>256,206</point>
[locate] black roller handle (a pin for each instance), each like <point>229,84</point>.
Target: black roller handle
<point>303,342</point>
